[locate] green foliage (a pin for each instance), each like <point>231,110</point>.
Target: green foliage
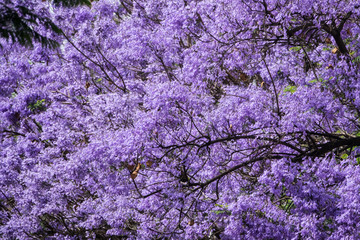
<point>286,205</point>
<point>224,210</point>
<point>327,225</point>
<point>290,89</point>
<point>317,80</point>
<point>19,24</point>
<point>356,59</point>
<point>295,49</point>
<point>39,105</point>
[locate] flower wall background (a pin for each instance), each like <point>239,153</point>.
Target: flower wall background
<point>203,119</point>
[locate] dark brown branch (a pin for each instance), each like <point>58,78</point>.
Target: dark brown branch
<point>311,64</point>
<point>14,133</point>
<point>292,31</point>
<point>201,185</point>
<point>275,91</point>
<point>328,147</point>
<point>227,139</point>
<point>321,149</point>
<point>335,32</point>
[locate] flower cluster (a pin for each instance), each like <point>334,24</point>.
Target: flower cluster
<point>194,119</point>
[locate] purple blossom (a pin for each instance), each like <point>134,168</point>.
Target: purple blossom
<point>184,120</point>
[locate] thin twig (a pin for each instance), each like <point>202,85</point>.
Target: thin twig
<point>275,91</point>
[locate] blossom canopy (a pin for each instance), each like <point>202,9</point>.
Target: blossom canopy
<point>169,119</point>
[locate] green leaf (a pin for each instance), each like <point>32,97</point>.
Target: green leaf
<point>290,89</point>
<point>327,225</point>
<point>295,49</point>
<point>356,60</point>
<point>38,105</point>
<point>317,80</point>
<point>224,211</point>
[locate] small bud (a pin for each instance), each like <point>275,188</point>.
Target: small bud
<point>348,31</point>
<point>149,163</point>
<point>335,50</point>
<point>191,222</point>
<point>244,77</point>
<point>130,167</point>
<point>330,66</point>
<point>327,40</point>
<point>134,174</point>
<point>138,166</point>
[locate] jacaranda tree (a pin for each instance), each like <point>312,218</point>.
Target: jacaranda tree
<point>192,119</point>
